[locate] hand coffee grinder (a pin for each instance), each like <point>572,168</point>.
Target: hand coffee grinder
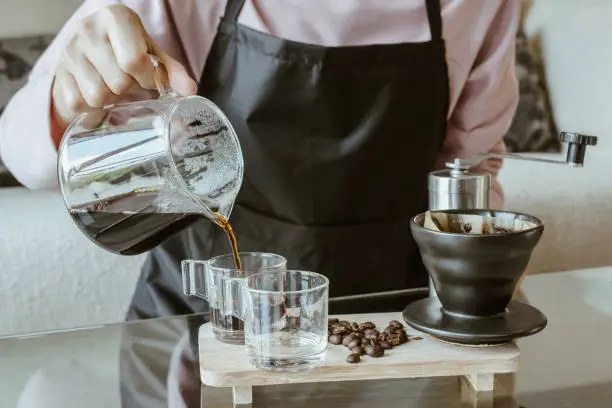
<point>458,187</point>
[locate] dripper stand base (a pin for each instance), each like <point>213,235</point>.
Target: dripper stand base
<point>227,366</point>
<point>519,320</point>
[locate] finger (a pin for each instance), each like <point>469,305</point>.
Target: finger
<point>129,43</point>
<point>102,58</point>
<point>90,83</point>
<point>67,99</point>
<point>179,78</point>
<point>133,58</point>
<point>119,117</point>
<point>132,46</point>
<point>66,94</point>
<point>94,119</point>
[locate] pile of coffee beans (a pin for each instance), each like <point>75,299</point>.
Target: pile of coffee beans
<point>364,339</point>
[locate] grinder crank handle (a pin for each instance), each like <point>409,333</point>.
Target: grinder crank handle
<point>576,149</point>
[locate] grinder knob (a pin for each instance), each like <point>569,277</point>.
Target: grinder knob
<point>571,137</point>
<point>576,148</point>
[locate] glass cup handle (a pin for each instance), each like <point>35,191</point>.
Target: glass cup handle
<point>236,299</point>
<point>194,278</point>
<point>162,79</point>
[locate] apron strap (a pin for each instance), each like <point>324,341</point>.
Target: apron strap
<point>434,15</point>
<point>233,9</point>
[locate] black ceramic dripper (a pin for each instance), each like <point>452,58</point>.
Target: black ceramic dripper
<point>475,275</point>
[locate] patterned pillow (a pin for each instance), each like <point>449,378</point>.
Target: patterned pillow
<point>533,128</point>
<point>17,56</point>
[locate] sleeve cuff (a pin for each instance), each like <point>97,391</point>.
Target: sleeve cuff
<point>25,135</point>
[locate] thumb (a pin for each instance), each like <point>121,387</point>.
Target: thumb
<point>179,78</point>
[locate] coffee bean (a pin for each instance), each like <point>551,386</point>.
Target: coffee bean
<point>353,343</point>
<point>374,350</point>
<point>353,358</point>
<point>403,338</point>
<point>394,341</point>
<point>364,338</point>
<point>335,339</point>
<point>396,324</point>
<point>367,325</point>
<point>358,350</point>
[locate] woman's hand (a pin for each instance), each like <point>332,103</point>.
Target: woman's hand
<point>106,59</point>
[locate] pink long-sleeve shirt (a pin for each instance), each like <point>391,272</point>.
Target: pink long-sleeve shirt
<point>480,38</point>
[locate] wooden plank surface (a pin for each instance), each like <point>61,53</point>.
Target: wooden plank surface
<point>224,365</point>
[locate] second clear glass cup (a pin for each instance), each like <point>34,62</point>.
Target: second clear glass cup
<point>217,280</point>
<point>285,316</point>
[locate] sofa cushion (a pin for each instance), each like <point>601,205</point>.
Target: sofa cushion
<point>17,56</point>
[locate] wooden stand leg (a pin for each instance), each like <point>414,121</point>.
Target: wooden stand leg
<point>481,382</point>
<point>242,395</point>
<point>475,399</point>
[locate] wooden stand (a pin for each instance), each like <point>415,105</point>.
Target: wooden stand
<point>225,365</point>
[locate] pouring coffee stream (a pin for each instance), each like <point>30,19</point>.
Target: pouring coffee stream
<point>229,232</point>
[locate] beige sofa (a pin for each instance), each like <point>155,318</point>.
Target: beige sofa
<point>575,204</point>
<point>52,277</point>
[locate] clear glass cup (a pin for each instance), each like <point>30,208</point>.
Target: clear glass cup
<point>135,173</point>
<point>285,316</point>
<point>217,280</point>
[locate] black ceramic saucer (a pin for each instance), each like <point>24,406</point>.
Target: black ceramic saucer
<point>520,320</point>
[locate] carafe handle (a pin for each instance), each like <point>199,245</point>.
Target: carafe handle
<point>194,278</point>
<point>162,79</point>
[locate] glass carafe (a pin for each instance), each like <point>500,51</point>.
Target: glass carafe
<point>134,174</point>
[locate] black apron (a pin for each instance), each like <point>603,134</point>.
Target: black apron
<point>337,144</point>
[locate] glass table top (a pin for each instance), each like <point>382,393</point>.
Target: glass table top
<point>151,364</point>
